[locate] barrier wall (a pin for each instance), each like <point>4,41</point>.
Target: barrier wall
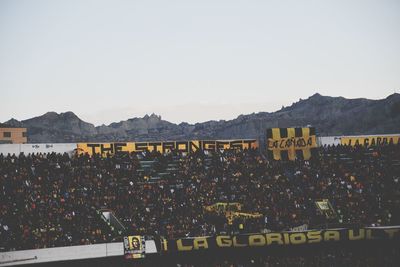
<point>61,254</point>
<point>328,140</point>
<point>68,253</point>
<point>200,243</point>
<point>6,149</point>
<point>37,148</point>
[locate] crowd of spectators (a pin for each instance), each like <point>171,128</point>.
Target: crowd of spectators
<point>49,200</point>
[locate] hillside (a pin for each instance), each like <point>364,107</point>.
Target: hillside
<point>330,115</point>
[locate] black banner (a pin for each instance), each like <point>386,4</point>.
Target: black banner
<point>280,238</point>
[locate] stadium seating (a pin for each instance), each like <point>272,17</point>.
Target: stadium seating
<point>50,200</point>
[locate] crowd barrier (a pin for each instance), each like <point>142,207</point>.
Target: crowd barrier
<point>199,243</point>
<point>60,254</point>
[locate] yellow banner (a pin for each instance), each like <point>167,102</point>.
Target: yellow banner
<point>231,211</point>
<point>236,214</point>
<point>165,146</point>
<point>287,143</point>
<point>370,140</point>
<point>223,207</point>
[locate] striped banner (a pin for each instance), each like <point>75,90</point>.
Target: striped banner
<point>291,143</point>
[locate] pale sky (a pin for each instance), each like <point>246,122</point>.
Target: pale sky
<point>192,61</point>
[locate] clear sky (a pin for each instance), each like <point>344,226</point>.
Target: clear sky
<point>192,61</point>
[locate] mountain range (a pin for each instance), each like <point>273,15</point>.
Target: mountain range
<point>330,116</point>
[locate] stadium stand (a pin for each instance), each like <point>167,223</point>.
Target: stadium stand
<point>51,200</point>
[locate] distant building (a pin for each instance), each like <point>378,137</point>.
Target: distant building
<point>12,135</point>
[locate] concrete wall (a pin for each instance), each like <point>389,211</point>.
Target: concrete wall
<point>37,148</point>
<point>329,140</point>
<point>68,253</point>
<point>61,254</point>
<point>335,140</point>
<point>6,149</point>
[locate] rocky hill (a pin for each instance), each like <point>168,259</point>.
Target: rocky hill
<point>330,115</point>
